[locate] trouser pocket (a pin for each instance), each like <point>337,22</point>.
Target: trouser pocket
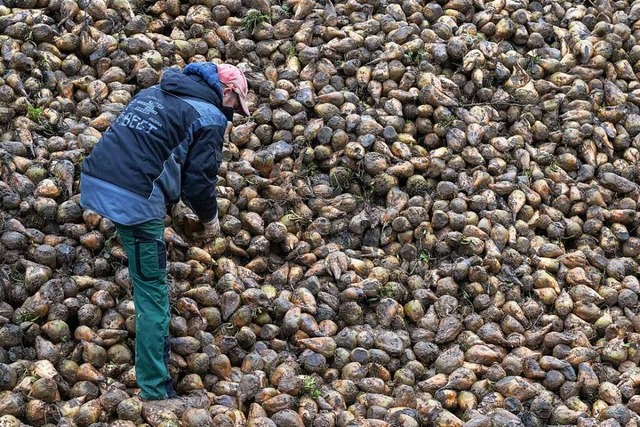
<point>151,256</point>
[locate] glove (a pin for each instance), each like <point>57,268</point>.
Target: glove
<point>211,229</point>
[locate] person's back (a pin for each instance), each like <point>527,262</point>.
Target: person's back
<point>141,157</point>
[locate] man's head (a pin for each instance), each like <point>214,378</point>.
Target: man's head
<point>234,88</point>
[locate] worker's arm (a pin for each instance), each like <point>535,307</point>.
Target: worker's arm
<point>200,171</point>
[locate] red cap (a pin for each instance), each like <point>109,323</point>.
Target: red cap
<point>233,78</point>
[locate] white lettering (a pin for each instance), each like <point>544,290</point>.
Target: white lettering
<point>133,121</point>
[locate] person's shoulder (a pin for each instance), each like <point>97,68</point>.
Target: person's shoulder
<point>212,117</point>
<point>215,111</point>
<point>148,92</point>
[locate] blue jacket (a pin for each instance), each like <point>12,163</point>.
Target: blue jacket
<point>165,145</point>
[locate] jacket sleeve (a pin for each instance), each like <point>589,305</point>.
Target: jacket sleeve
<point>200,171</point>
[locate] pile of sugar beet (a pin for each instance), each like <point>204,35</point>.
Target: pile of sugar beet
<point>430,218</point>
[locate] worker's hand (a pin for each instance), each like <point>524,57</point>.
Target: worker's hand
<point>211,229</point>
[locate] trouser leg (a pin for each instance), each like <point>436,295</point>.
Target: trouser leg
<point>146,252</point>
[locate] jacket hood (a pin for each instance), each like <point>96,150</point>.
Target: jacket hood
<point>193,84</point>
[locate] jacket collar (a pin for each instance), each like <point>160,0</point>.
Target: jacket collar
<point>227,111</point>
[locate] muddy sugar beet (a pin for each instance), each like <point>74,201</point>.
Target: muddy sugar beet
<point>430,217</point>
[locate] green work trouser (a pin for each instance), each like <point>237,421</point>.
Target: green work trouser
<point>147,255</point>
